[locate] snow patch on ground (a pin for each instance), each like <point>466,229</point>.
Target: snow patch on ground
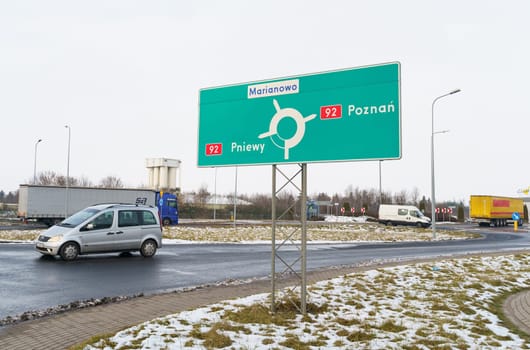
<point>418,305</point>
<point>345,219</point>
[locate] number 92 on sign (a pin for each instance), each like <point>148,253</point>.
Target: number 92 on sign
<point>214,149</point>
<point>331,112</point>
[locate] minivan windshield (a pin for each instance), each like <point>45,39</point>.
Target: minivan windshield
<point>78,217</point>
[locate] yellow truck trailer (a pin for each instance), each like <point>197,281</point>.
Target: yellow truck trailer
<point>494,210</point>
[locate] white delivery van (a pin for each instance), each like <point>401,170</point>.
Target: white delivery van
<point>395,214</point>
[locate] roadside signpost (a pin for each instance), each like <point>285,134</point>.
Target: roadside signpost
<point>516,217</point>
<point>444,211</point>
<point>344,115</point>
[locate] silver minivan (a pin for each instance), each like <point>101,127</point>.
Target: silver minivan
<point>104,228</point>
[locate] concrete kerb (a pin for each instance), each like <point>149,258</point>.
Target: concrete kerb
<point>62,331</point>
<point>517,309</point>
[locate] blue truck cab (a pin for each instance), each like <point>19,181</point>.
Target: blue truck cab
<point>168,208</point>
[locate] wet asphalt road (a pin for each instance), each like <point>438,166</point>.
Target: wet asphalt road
<point>29,281</point>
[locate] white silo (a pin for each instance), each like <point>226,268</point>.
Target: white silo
<point>163,173</point>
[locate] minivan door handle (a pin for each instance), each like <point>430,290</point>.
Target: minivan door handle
<point>119,232</point>
<point>110,233</point>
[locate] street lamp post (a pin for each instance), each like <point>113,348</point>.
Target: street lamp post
<point>433,200</point>
<point>35,162</point>
<point>380,190</point>
<point>67,174</point>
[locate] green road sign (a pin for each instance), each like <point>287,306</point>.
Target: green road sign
<point>344,115</point>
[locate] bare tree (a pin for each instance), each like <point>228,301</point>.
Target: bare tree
<point>323,197</point>
<point>401,197</point>
<point>83,181</point>
<point>261,200</point>
<point>414,195</point>
<point>285,203</point>
<point>201,197</point>
<point>386,197</point>
<point>49,178</point>
<point>111,182</point>
<point>12,197</point>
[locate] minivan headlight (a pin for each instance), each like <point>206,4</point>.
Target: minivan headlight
<point>56,238</point>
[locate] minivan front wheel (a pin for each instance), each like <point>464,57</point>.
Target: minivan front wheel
<point>148,248</point>
<point>69,251</point>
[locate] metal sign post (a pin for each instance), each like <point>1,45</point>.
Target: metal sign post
<point>290,235</point>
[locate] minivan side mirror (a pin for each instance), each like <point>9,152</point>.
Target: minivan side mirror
<point>87,227</point>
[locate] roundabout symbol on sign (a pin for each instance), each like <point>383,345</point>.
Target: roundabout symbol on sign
<point>300,121</point>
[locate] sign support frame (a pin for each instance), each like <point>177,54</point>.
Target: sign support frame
<point>301,227</point>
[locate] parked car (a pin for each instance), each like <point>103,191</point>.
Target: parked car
<point>394,214</point>
<point>104,228</point>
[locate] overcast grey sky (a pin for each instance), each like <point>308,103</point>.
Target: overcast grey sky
<point>125,76</point>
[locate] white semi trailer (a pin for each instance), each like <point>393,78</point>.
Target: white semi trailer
<point>51,204</point>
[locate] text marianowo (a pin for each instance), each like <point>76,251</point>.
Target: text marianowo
<point>284,87</point>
